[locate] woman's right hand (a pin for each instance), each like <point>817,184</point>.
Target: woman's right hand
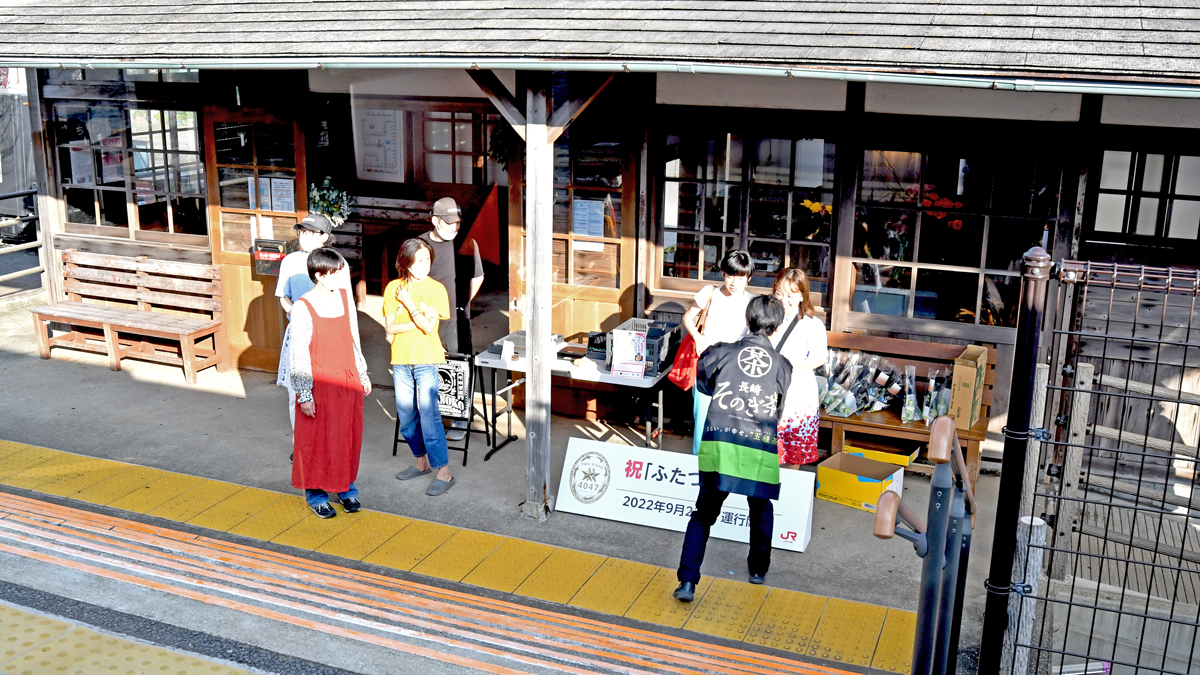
<point>702,344</point>
<point>309,408</point>
<point>403,297</point>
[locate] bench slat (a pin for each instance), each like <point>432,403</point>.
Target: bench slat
<point>384,214</point>
<point>935,351</point>
<point>403,204</point>
<point>162,283</point>
<point>133,295</point>
<point>176,269</point>
<point>122,318</point>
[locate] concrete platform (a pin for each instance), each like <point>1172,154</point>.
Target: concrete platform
<point>233,427</point>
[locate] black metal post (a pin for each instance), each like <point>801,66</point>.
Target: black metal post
<point>964,559</point>
<point>1036,275</point>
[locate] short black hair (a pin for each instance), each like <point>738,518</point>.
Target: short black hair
<point>324,261</point>
<point>764,314</point>
<point>737,263</point>
<point>408,254</point>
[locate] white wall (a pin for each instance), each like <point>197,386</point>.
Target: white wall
<point>1151,112</point>
<point>742,91</point>
<point>908,99</point>
<point>431,82</point>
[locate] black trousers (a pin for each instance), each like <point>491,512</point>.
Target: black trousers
<point>456,333</point>
<point>708,509</point>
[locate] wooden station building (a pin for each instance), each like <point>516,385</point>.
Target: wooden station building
<point>905,154</point>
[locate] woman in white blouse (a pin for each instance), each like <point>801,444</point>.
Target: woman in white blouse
<point>801,340</point>
<point>725,320</point>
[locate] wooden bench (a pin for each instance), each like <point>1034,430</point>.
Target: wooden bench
<point>168,305</point>
<point>886,423</point>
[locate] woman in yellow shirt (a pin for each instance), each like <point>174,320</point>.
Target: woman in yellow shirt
<point>412,307</point>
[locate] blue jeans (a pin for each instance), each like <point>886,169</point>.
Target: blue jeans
<point>318,497</point>
<point>700,412</point>
<point>417,410</point>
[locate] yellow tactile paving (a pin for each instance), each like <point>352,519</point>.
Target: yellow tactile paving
<point>21,631</point>
<point>25,459</point>
<point>787,620</point>
<point>848,632</point>
<point>369,531</point>
<point>560,576</point>
<point>62,464</point>
<point>81,476</point>
<point>728,609</point>
<point>656,605</point>
<point>238,507</point>
<point>509,565</point>
<point>275,519</point>
<point>196,499</point>
<point>895,648</point>
<point>460,554</point>
<point>110,489</point>
<point>312,532</point>
<point>82,651</point>
<point>11,448</point>
<point>411,545</point>
<point>614,587</point>
<point>156,493</point>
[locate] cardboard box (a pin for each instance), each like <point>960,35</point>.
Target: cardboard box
<point>856,481</point>
<point>966,393</point>
<point>887,457</point>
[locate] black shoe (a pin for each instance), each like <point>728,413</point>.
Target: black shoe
<point>758,579</point>
<point>686,592</point>
<point>323,510</point>
<point>350,505</point>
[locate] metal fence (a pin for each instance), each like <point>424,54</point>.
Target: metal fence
<point>16,224</point>
<point>1111,473</point>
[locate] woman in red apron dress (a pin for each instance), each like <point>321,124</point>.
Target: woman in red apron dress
<point>329,376</point>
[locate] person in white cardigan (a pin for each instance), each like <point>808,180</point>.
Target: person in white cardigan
<point>802,341</point>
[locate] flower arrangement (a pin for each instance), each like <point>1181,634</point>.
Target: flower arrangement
<point>812,220</point>
<point>330,201</point>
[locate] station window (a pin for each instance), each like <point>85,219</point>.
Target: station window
<point>456,148</point>
<point>941,236</point>
<point>771,196</point>
<point>131,172</point>
<point>1146,198</point>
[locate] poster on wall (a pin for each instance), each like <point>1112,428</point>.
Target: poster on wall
<point>264,194</point>
<point>657,488</point>
<point>283,194</point>
<point>83,169</point>
<point>378,143</point>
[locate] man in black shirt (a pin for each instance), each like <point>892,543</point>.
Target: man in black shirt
<point>462,275</point>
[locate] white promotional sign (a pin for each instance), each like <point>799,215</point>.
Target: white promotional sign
<point>658,489</point>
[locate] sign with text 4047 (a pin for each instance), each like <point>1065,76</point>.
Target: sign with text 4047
<point>658,489</point>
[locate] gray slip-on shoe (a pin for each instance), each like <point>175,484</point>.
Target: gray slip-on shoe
<point>439,487</point>
<point>411,473</point>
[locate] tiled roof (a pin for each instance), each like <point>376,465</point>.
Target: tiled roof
<point>1093,39</point>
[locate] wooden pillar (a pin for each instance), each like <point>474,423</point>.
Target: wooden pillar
<point>539,185</point>
<point>47,203</point>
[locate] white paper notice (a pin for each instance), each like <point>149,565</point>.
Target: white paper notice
<point>250,191</point>
<point>83,169</point>
<point>657,488</point>
<point>264,194</point>
<point>283,194</point>
<point>629,353</point>
<point>265,228</point>
<point>379,144</point>
<point>112,164</point>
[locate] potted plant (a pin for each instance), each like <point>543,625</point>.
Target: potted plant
<point>330,201</point>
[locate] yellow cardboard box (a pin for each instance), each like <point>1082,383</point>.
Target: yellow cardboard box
<point>887,457</point>
<point>966,393</point>
<point>857,481</point>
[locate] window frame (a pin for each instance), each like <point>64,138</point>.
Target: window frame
<point>484,170</point>
<point>133,231</point>
<point>745,186</point>
<point>1134,192</point>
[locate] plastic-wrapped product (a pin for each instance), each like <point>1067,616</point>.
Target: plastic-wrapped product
<point>841,400</point>
<point>884,387</point>
<point>932,392</point>
<point>943,400</point>
<point>910,411</point>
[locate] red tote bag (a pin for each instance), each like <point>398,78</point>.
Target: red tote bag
<point>683,370</point>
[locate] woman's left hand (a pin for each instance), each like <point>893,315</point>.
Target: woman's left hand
<point>367,389</point>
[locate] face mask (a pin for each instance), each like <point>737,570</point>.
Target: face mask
<point>444,231</point>
<point>419,270</point>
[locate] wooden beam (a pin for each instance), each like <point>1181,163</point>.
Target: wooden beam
<point>500,97</point>
<point>1130,438</point>
<point>1167,394</point>
<point>539,223</point>
<point>569,111</point>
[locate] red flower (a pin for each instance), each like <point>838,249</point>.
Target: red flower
<point>955,224</point>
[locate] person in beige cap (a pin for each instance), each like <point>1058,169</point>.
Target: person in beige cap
<point>462,275</point>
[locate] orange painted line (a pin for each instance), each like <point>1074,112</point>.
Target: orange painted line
<point>355,604</point>
<point>267,613</point>
<point>479,623</point>
<point>109,524</point>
